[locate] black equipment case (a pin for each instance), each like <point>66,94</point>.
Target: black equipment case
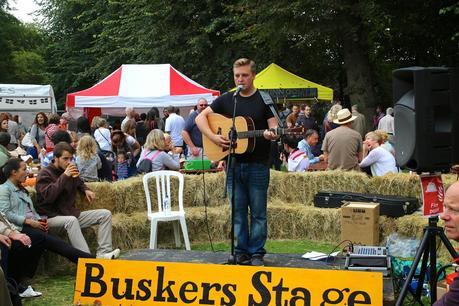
<point>392,206</point>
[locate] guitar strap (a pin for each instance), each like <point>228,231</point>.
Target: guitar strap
<point>269,102</point>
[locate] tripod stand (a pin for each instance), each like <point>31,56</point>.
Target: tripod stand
<point>427,251</point>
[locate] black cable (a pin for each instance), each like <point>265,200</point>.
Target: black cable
<point>349,244</point>
<point>205,201</point>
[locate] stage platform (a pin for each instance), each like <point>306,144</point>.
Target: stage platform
<point>271,260</point>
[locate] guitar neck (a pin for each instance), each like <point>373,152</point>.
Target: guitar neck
<point>259,133</point>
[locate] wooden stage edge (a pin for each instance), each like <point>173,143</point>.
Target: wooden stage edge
<point>271,260</point>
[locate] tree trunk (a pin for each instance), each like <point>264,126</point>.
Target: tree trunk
<point>359,78</point>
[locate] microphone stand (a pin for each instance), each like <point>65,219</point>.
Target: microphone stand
<point>231,166</point>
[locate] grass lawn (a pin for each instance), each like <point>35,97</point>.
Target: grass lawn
<point>58,290</point>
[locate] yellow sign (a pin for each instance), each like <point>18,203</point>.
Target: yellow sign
<point>122,282</point>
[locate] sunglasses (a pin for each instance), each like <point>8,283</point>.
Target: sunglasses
<point>202,105</point>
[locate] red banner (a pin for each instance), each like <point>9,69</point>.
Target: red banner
<point>433,195</point>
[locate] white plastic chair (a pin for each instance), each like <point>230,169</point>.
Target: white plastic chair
<point>163,191</point>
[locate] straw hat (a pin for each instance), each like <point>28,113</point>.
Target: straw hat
<point>344,116</point>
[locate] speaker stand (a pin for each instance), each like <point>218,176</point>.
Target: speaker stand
<point>428,252</point>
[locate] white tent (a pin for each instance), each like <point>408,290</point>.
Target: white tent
<point>27,100</point>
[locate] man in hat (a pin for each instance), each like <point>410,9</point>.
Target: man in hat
<point>342,146</point>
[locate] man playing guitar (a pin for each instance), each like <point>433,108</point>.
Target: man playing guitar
<point>252,170</point>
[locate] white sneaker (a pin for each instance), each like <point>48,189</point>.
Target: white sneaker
<point>29,292</point>
<point>110,255</point>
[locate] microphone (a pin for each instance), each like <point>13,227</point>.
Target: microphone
<point>238,90</point>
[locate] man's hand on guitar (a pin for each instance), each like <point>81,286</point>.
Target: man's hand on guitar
<point>221,141</point>
<point>270,135</point>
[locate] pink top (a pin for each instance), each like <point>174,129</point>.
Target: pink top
<point>50,130</point>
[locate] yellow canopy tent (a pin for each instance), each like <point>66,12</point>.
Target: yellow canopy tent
<point>282,84</point>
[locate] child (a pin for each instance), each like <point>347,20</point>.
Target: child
<point>297,160</point>
<point>87,160</point>
<point>122,165</point>
<point>74,137</point>
<point>50,130</point>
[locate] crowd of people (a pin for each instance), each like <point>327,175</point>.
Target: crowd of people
<point>341,142</point>
<point>72,152</point>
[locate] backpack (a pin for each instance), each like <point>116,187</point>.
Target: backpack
<point>145,164</point>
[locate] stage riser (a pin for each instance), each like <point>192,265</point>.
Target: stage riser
<point>285,221</point>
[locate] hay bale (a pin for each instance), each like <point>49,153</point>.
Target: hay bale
<point>214,187</point>
<point>411,225</point>
<point>105,197</point>
<point>130,195</point>
<point>218,220</point>
<point>130,231</point>
<point>400,184</point>
<point>301,187</point>
<point>297,221</point>
<point>449,179</point>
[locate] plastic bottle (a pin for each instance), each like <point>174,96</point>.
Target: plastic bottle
<point>167,205</point>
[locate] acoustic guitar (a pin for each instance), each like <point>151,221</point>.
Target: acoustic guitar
<point>245,134</point>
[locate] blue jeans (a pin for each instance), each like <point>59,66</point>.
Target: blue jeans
<point>251,191</point>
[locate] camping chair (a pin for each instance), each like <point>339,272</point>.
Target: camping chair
<point>165,213</point>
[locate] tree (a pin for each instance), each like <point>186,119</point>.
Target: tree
<point>21,50</point>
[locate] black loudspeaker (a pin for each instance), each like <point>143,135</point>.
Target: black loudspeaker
<point>426,118</point>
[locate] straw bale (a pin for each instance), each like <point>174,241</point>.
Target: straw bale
<point>449,179</point>
<point>105,197</point>
<point>301,187</point>
<point>130,231</point>
<point>219,222</point>
<point>130,196</point>
<point>297,221</point>
<point>411,225</point>
<point>400,184</point>
<point>214,187</point>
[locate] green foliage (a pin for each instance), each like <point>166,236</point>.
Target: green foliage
<point>348,45</point>
<point>29,67</point>
<point>21,48</point>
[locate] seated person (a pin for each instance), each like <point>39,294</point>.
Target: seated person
<point>297,160</point>
<point>5,139</point>
<point>378,159</point>
<point>87,160</point>
<point>122,166</point>
<point>19,260</point>
<point>450,217</point>
<point>59,136</point>
<point>5,298</point>
<point>57,187</point>
<point>22,224</point>
<point>155,150</point>
<point>311,138</point>
<point>385,143</point>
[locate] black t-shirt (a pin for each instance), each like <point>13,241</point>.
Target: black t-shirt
<point>255,108</point>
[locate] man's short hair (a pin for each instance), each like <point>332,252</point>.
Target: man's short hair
<point>245,62</point>
<point>170,109</point>
<point>291,141</point>
<point>389,111</point>
<point>355,107</point>
<point>62,147</point>
<point>309,133</point>
<point>61,136</point>
<point>5,138</point>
